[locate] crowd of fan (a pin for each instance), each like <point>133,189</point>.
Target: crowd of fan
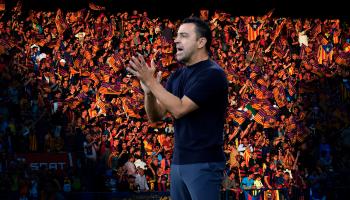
<point>65,89</point>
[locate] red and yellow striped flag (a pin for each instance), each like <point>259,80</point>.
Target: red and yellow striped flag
<point>280,96</point>
<point>278,30</point>
<point>128,108</point>
<point>325,52</point>
<point>340,60</point>
<point>102,106</point>
<point>94,78</point>
<point>85,73</point>
<point>262,82</point>
<point>260,117</point>
<point>324,41</point>
<point>253,30</point>
<point>317,29</point>
<point>106,78</point>
<point>336,37</point>
<point>238,116</point>
<point>246,156</point>
<point>260,92</point>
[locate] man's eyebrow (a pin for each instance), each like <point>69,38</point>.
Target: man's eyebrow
<point>182,33</point>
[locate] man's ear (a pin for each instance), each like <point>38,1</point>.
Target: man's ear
<point>201,42</point>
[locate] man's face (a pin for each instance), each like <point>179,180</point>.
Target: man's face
<point>155,162</point>
<point>131,180</point>
<point>254,155</point>
<point>167,156</point>
<point>186,43</point>
<point>232,175</point>
<point>245,141</point>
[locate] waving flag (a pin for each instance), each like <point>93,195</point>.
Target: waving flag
<point>250,108</point>
<point>94,78</point>
<point>129,108</point>
<point>260,92</point>
<point>336,35</point>
<point>262,82</point>
<point>247,155</point>
<point>325,52</point>
<point>280,96</point>
<point>239,116</point>
<point>322,40</point>
<point>60,22</point>
<point>102,106</point>
<point>341,59</point>
<point>270,110</point>
<point>316,30</point>
<point>261,117</point>
<point>255,104</point>
<point>279,29</point>
<point>115,62</point>
<point>253,30</point>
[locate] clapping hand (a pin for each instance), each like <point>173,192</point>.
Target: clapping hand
<point>144,72</point>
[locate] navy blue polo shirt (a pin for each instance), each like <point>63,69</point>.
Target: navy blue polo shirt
<point>199,134</point>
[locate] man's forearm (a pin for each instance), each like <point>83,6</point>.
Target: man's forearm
<point>153,110</point>
<point>172,103</point>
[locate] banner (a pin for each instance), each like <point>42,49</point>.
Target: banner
<point>48,160</point>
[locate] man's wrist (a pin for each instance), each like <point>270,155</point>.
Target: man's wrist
<point>150,83</point>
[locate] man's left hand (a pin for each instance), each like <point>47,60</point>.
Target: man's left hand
<point>142,70</point>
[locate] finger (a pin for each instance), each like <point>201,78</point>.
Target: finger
<point>135,73</point>
<point>153,65</point>
<point>142,59</point>
<point>136,61</point>
<point>134,66</point>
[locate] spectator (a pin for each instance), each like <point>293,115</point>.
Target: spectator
<point>141,181</point>
<point>230,184</point>
<point>248,182</point>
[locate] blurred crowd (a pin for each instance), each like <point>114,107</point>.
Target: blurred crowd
<point>65,89</point>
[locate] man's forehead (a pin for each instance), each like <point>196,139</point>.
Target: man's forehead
<point>186,28</point>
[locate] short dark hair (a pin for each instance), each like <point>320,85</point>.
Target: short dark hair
<point>202,29</point>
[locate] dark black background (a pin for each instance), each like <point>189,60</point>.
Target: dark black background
<point>184,8</point>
